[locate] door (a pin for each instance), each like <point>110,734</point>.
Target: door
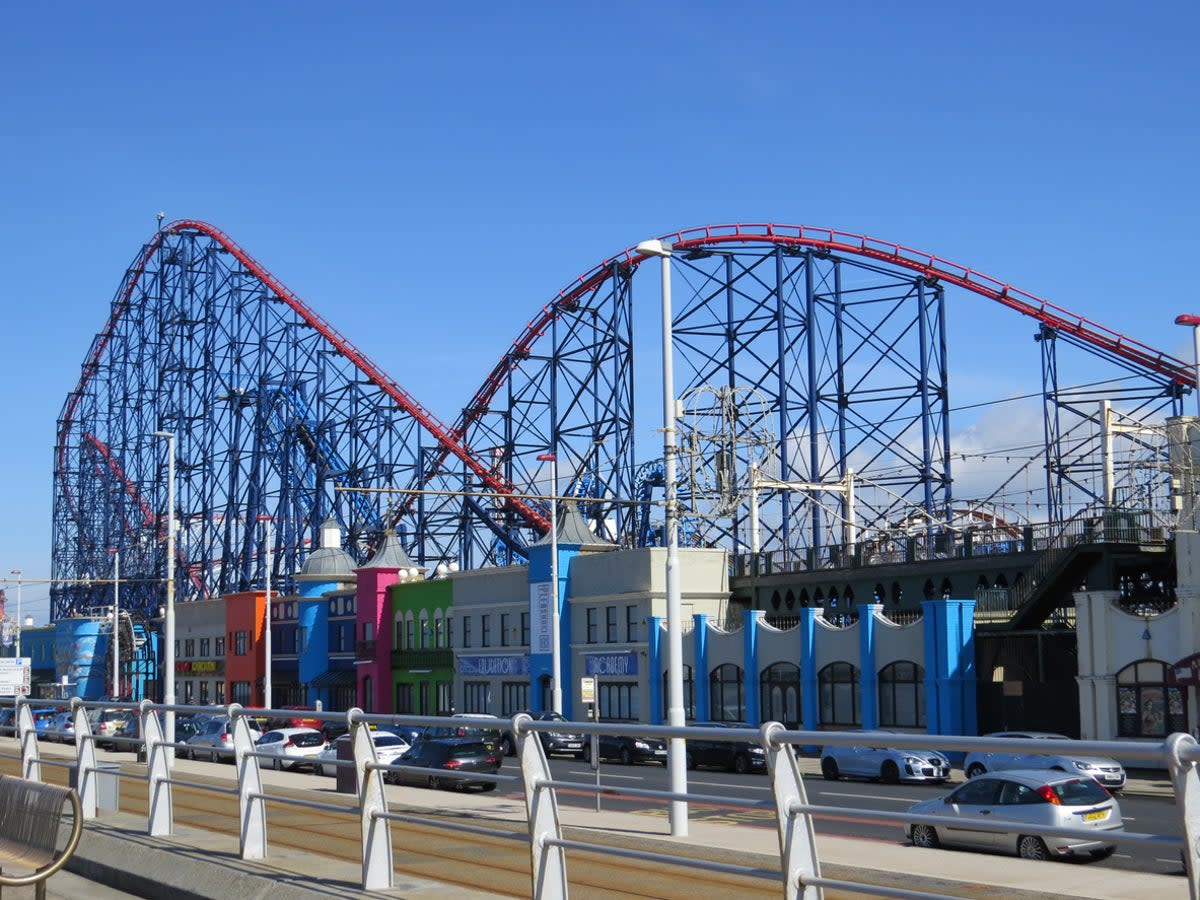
<point>969,810</point>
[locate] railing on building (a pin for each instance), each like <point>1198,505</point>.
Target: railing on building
<point>903,616</point>
<point>423,659</point>
<point>799,858</point>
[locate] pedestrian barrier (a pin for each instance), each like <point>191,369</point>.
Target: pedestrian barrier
<point>800,865</point>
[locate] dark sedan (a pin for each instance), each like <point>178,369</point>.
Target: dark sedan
<point>443,755</point>
<point>735,756</point>
<point>561,743</point>
<point>628,749</point>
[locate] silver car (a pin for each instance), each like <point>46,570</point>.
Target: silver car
<point>1016,798</point>
<point>1104,769</point>
<point>214,741</point>
<point>887,764</point>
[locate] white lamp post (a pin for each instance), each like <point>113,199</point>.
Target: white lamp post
<point>555,637</point>
<point>267,628</point>
<point>17,572</point>
<point>116,622</point>
<point>168,694</point>
<point>1194,323</point>
<point>676,756</point>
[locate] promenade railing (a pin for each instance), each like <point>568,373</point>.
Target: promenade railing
<point>800,864</point>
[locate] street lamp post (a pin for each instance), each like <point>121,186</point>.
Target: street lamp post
<point>1194,323</point>
<point>116,622</point>
<point>555,637</point>
<point>676,756</point>
<point>169,613</point>
<point>17,572</point>
<point>267,626</point>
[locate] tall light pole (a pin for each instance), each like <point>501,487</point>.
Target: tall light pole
<point>676,756</point>
<point>17,572</point>
<point>267,626</point>
<point>116,622</point>
<point>555,637</point>
<point>1194,323</point>
<point>168,694</point>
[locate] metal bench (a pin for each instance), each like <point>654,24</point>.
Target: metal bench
<point>31,814</point>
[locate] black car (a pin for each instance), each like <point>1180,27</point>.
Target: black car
<point>629,749</point>
<point>564,743</point>
<point>458,727</point>
<point>447,755</point>
<point>734,756</point>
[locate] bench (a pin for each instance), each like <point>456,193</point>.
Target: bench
<point>30,816</point>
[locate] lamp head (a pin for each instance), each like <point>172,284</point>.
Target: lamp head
<point>654,247</point>
<point>1187,319</point>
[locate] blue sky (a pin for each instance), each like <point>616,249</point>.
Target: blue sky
<point>427,180</point>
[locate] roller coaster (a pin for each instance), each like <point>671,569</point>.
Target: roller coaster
<point>277,414</point>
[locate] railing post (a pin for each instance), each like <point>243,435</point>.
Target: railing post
<point>797,839</point>
<point>31,765</point>
<point>1187,800</point>
<point>85,760</point>
<point>158,773</point>
<point>549,862</point>
<point>251,804</point>
<point>378,872</point>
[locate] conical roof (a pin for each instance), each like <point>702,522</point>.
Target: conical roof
<point>391,555</point>
<point>329,561</point>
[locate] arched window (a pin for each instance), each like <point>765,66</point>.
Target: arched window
<point>424,629</point>
<point>902,695</point>
<point>398,631</point>
<point>689,693</point>
<point>880,594</point>
<point>804,598</point>
<point>928,589</point>
<point>848,593</point>
<point>726,700</point>
<point>439,629</point>
<point>775,600</point>
<point>410,641</point>
<point>838,686</point>
<point>897,593</point>
<point>947,589</point>
<point>779,694</point>
<point>790,600</point>
<point>1146,705</point>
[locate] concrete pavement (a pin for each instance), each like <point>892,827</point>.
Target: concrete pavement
<point>117,854</point>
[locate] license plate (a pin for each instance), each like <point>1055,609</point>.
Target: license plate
<point>573,745</point>
<point>660,752</point>
<point>1095,816</point>
<point>1112,777</point>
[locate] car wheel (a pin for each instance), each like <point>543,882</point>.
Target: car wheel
<point>976,770</point>
<point>741,765</point>
<point>829,769</point>
<point>924,836</point>
<point>889,772</point>
<point>1032,847</point>
<point>508,747</point>
<point>191,754</point>
<point>626,757</point>
<point>276,765</point>
<point>1103,854</point>
<point>689,760</point>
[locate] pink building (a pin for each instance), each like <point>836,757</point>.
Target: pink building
<point>373,646</point>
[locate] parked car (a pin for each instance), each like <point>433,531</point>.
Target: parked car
<point>295,718</point>
<point>291,748</point>
<point>447,754</point>
<point>215,740</point>
<point>107,724</point>
<point>1104,769</point>
<point>61,727</point>
<point>888,764</point>
<point>8,721</point>
<point>388,748</point>
<point>1017,798</point>
<point>560,743</point>
<point>459,726</point>
<point>42,718</point>
<point>629,749</point>
<point>736,756</point>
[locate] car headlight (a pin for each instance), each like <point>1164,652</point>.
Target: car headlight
<point>913,761</point>
<point>641,745</point>
<point>1086,767</point>
<point>759,750</point>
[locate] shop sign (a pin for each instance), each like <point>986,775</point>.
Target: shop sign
<point>610,664</point>
<point>493,665</point>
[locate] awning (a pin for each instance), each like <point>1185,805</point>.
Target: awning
<point>334,678</point>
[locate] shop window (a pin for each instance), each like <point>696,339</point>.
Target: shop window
<point>902,695</point>
<point>838,689</point>
<point>726,694</point>
<point>1147,707</point>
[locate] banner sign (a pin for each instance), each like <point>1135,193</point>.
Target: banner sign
<point>493,665</point>
<point>611,663</point>
<point>541,618</point>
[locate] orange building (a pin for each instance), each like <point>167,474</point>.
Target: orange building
<point>245,651</point>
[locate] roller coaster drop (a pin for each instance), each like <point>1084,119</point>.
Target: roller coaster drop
<point>275,413</point>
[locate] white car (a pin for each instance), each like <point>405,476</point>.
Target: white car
<point>388,748</point>
<point>890,765</point>
<point>290,748</point>
<point>1104,769</point>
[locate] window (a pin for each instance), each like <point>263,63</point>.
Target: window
<point>410,626</point>
<point>475,697</point>
<point>779,694</point>
<point>466,620</point>
<point>368,631</point>
<point>301,640</point>
<point>837,685</point>
<point>404,698</point>
<point>631,624</point>
<point>219,650</point>
<point>1146,705</point>
<point>981,792</point>
<point>204,693</point>
<point>689,694</point>
<point>485,631</point>
<point>189,692</point>
<point>176,647</point>
<point>426,631</point>
<point>189,648</point>
<point>240,692</point>
<point>514,697</point>
<point>525,629</point>
<point>902,695</point>
<point>618,701</point>
<point>610,624</point>
<point>219,699</point>
<point>726,702</point>
<point>593,627</point>
<point>445,695</point>
<point>504,626</point>
<point>239,648</point>
<point>439,630</point>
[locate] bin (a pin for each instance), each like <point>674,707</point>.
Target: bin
<point>347,776</point>
<point>108,784</point>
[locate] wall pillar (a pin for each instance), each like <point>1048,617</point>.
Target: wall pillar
<point>868,676</point>
<point>810,706</point>
<point>700,673</point>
